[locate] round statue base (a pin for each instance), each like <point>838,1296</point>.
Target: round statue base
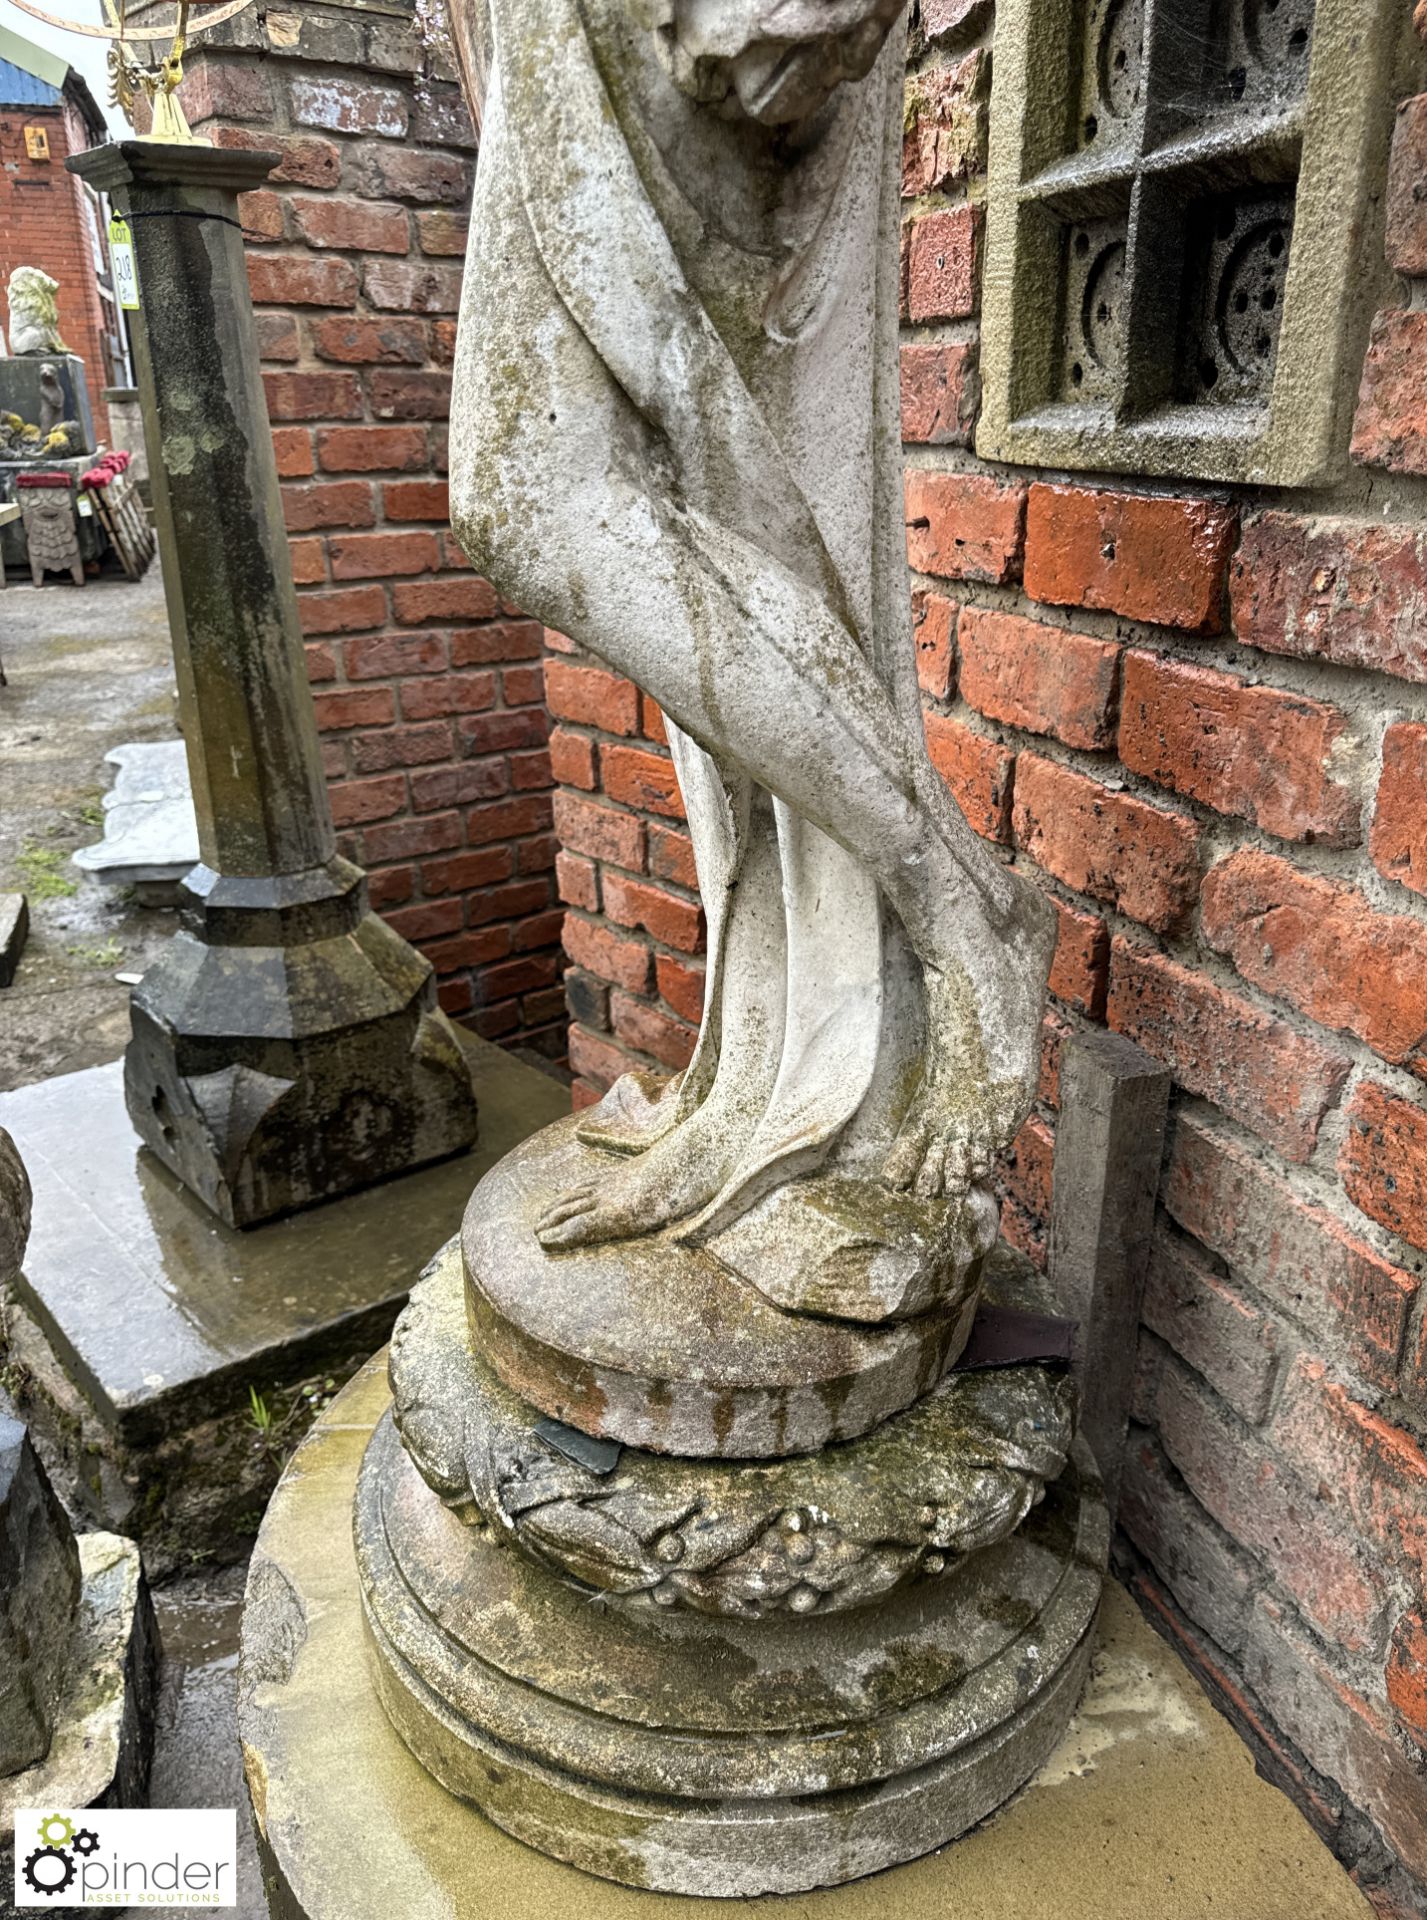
<point>655,1738</point>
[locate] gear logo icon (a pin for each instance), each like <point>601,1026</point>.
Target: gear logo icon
<point>51,1822</point>
<point>48,1870</point>
<point>86,1841</point>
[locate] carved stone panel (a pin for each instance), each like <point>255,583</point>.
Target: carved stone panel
<point>1180,240</point>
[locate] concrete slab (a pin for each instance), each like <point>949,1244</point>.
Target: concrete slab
<point>1150,1807</point>
<point>150,828</point>
<point>141,1321</point>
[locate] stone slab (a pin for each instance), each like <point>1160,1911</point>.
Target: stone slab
<point>103,1740</point>
<point>39,1591</point>
<point>1149,1806</point>
<point>150,828</point>
<point>142,1320</point>
<point>14,932</point>
<point>658,1344</point>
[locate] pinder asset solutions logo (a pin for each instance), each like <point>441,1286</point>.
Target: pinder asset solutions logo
<point>126,1857</point>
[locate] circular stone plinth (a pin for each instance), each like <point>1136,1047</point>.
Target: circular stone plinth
<point>707,1755</point>
<point>659,1345</point>
<point>813,1532</point>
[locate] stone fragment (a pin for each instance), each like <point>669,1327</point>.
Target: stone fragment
<point>39,1589</point>
<point>14,931</point>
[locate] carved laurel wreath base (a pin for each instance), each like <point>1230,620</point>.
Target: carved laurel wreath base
<point>813,1532</point>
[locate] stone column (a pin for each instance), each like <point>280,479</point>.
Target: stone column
<point>287,1047</point>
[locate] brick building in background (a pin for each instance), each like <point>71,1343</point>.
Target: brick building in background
<point>429,692</point>
<point>48,218</point>
<point>1196,715</point>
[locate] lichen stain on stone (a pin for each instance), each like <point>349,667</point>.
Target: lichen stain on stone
<point>180,454</point>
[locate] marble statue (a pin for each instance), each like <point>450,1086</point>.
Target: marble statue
<point>776,1564</point>
<point>675,438</point>
<point>34,318</point>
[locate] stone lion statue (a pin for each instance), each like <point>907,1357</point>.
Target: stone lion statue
<point>34,319</point>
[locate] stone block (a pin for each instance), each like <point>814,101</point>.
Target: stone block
<point>39,1588</point>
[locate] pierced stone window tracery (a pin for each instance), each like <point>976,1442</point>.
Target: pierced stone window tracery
<point>1176,263</point>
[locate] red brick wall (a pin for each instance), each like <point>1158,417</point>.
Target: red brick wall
<point>1198,719</point>
<point>44,223</point>
<point>429,691</point>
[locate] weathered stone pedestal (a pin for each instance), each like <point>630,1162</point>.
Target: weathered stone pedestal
<point>287,1047</point>
<point>695,1593</point>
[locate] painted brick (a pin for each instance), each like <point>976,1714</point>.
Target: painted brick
<point>347,106</point>
<point>1149,557</point>
<point>604,833</point>
<point>1270,1510</point>
<point>1258,753</point>
<point>1080,968</point>
<point>1227,1340</point>
<point>1199,1564</point>
<point>1323,948</point>
<point>1384,1161</point>
<point>628,963</point>
<point>664,916</point>
<point>637,778</point>
<point>1398,842</point>
<point>412,286</point>
<point>944,137</point>
<point>1258,1069</point>
<point>1298,1255</point>
<point>1391,425</point>
<point>965,526</point>
<point>939,393</point>
<point>943,265</point>
<point>1344,591</point>
<point>1113,846</point>
<point>592,697</point>
<point>1038,677</point>
<point>1366,1469</point>
<point>934,635</point>
<point>978,773</point>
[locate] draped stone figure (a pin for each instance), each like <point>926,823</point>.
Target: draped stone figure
<point>695,1547</point>
<point>675,439</point>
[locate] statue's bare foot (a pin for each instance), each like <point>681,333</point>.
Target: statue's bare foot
<point>674,1178</point>
<point>638,1110</point>
<point>982,1067</point>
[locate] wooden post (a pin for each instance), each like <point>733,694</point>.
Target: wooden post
<point>1108,1147</point>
